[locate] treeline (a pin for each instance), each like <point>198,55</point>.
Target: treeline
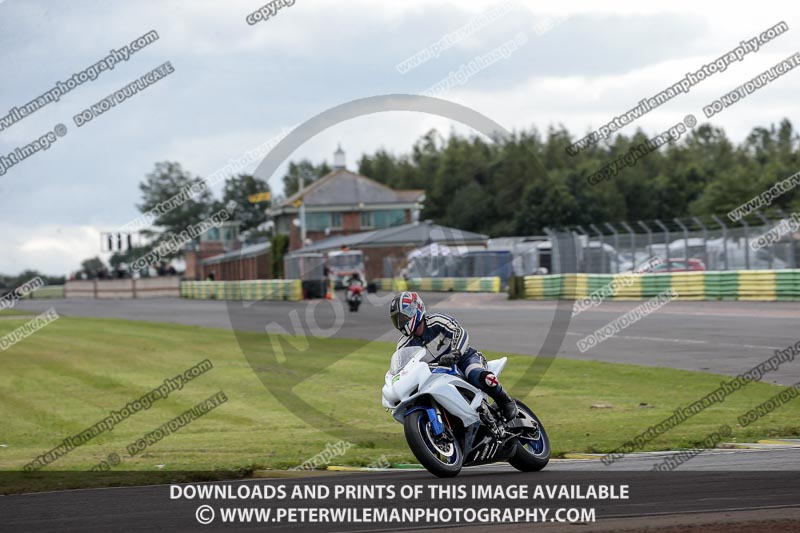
<point>529,182</point>
<point>9,282</point>
<point>522,184</point>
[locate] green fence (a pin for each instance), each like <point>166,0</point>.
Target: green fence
<point>268,289</point>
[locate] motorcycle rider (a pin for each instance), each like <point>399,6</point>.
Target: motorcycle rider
<point>448,342</point>
<point>352,279</point>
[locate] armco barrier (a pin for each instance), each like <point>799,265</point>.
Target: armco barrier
<point>763,285</point>
<point>489,284</point>
<point>264,289</point>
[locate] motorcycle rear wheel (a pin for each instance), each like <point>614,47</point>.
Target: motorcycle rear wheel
<point>532,454</point>
<point>441,456</point>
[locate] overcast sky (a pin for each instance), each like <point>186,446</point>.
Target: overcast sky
<point>237,85</point>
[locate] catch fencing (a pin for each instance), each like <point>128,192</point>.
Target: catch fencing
<point>717,243</point>
<point>682,245</point>
<point>468,265</point>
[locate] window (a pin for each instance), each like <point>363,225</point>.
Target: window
<point>283,224</point>
<point>317,221</point>
<point>229,233</point>
<point>366,219</point>
<point>321,221</point>
<point>211,235</point>
<point>385,219</point>
<point>382,219</point>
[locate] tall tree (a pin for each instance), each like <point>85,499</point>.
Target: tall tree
<point>92,266</point>
<point>238,189</point>
<point>305,169</point>
<point>167,181</point>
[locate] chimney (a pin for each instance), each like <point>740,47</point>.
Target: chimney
<point>338,159</point>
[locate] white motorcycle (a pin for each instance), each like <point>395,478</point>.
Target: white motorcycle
<point>450,424</point>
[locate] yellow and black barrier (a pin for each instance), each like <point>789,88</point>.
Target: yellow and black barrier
<point>488,284</point>
<point>763,285</point>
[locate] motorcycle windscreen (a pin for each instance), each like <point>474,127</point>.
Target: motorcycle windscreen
<point>402,357</point>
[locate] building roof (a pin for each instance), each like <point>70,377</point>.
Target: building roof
<point>343,187</point>
<point>415,234</point>
<point>242,253</point>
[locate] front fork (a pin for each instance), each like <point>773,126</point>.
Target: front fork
<point>436,421</point>
<point>437,417</point>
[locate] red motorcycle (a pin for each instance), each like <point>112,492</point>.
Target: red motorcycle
<point>353,294</point>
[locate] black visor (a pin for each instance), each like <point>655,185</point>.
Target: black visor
<point>399,320</point>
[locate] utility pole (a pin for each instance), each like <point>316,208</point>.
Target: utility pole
<point>302,212</point>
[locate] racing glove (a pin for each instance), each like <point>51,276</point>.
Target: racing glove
<point>450,358</point>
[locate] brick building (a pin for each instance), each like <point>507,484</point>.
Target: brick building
<point>343,203</point>
<point>214,242</point>
<point>249,262</point>
<point>385,250</point>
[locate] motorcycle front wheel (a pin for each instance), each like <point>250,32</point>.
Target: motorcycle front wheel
<point>533,448</point>
<point>440,455</point>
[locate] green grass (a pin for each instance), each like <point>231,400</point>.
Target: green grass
<point>70,374</point>
<point>15,312</point>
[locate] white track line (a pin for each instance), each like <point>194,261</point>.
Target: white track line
<point>684,341</point>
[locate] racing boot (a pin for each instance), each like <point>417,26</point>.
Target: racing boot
<point>507,405</point>
<point>489,384</point>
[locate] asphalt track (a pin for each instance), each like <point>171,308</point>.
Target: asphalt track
<point>721,337</point>
<point>657,496</point>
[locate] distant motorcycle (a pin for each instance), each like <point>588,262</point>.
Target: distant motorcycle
<point>449,423</point>
<point>353,296</point>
